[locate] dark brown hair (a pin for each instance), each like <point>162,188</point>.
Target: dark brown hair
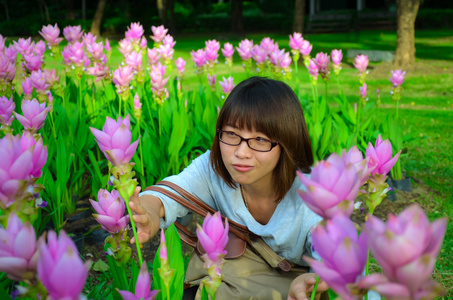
<point>271,107</point>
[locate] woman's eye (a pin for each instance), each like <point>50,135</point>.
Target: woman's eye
<point>260,139</point>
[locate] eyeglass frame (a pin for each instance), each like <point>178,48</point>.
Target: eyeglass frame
<point>273,143</point>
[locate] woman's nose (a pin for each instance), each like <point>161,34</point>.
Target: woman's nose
<point>243,150</point>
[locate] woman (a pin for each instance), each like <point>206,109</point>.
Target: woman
<point>250,175</point>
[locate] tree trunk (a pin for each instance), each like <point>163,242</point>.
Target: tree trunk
<point>162,10</point>
<point>172,23</point>
<point>97,19</point>
<point>299,14</point>
<point>5,2</point>
<point>44,10</point>
<point>236,17</point>
<point>405,44</point>
<point>70,10</point>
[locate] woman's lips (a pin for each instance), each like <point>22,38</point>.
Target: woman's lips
<point>242,168</point>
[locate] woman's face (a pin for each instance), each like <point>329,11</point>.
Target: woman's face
<point>247,166</point>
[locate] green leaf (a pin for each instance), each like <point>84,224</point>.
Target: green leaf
<point>100,266</point>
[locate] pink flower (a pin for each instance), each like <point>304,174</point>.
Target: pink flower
<point>60,268</point>
<point>137,104</point>
<point>22,158</point>
<point>276,56</point>
<point>99,70</point>
<point>27,86</point>
<point>306,48</point>
<point>245,49</point>
<point>73,33</point>
<point>268,44</point>
<point>166,51</point>
<point>363,91</point>
<point>361,63</point>
<point>153,56</point>
<point>96,50</point>
<point>51,34</point>
<point>51,76</point>
<point>213,236</point>
<point>74,53</point>
<point>38,80</point>
<point>331,188</point>
<point>211,80</point>
<point>135,31</point>
<point>380,156</point>
<point>110,211</point>
<point>295,41</point>
<point>180,65</point>
<point>34,114</point>
<point>6,110</point>
<point>355,157</point>
<point>163,253</point>
<point>32,62</point>
<point>89,38</point>
<point>123,76</point>
<point>417,242</point>
<point>158,81</point>
<point>322,60</point>
<point>313,68</point>
<point>24,46</point>
<point>159,33</point>
<point>107,45</point>
<point>143,43</point>
<point>228,50</point>
<point>134,60</point>
<point>198,57</point>
<point>125,46</point>
<point>169,41</point>
<point>397,77</point>
<point>2,43</point>
<point>18,256</point>
<point>115,140</point>
<point>343,253</point>
<point>142,287</point>
<point>227,85</point>
<point>39,48</point>
<point>259,54</point>
<point>285,61</point>
<point>211,50</point>
<point>337,56</point>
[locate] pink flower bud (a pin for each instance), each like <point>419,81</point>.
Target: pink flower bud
<point>6,110</point>
<point>142,287</point>
<point>295,41</point>
<point>166,51</point>
<point>18,256</point>
<point>260,54</point>
<point>227,85</point>
<point>313,68</point>
<point>27,86</point>
<point>169,41</point>
<point>24,46</point>
<point>416,240</point>
<point>34,114</point>
<point>228,50</point>
<point>115,140</point>
<point>123,76</point>
<point>355,157</point>
<point>363,91</point>
<point>198,57</point>
<point>380,156</point>
<point>134,60</point>
<point>245,49</point>
<point>331,188</point>
<point>137,104</point>
<point>306,48</point>
<point>159,33</point>
<point>73,33</point>
<point>32,62</point>
<point>153,56</point>
<point>180,65</point>
<point>343,253</point>
<point>110,211</point>
<point>60,268</point>
<point>213,236</point>
<point>51,34</point>
<point>107,45</point>
<point>322,60</point>
<point>135,31</point>
<point>337,56</point>
<point>125,46</point>
<point>38,80</point>
<point>361,63</point>
<point>143,43</point>
<point>397,77</point>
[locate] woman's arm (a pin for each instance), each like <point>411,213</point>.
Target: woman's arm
<point>147,211</point>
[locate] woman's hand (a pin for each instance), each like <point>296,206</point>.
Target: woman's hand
<point>146,211</point>
<point>302,286</point>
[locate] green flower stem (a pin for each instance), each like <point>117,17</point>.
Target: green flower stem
<point>53,127</point>
<point>119,106</point>
<point>338,84</point>
<point>313,293</point>
<point>141,151</point>
<point>80,101</point>
<point>367,267</point>
<point>134,230</point>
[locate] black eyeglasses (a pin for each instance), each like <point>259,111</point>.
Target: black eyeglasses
<point>257,144</point>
